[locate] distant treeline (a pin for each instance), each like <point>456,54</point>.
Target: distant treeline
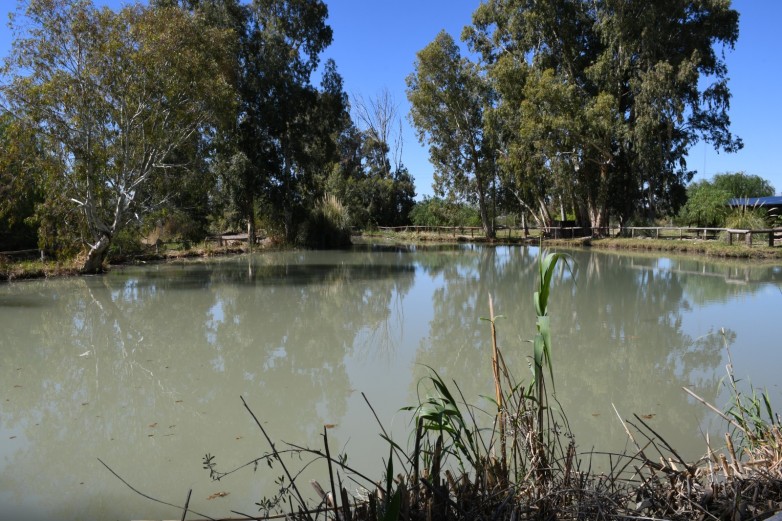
<point>201,116</point>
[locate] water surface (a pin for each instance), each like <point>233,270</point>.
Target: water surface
<point>144,367</point>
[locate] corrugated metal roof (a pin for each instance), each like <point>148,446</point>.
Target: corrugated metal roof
<point>774,200</point>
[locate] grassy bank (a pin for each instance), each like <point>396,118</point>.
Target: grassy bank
<point>12,269</point>
<point>35,269</point>
<point>30,269</point>
<point>692,247</point>
<point>710,248</point>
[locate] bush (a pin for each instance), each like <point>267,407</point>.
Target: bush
<point>328,226</point>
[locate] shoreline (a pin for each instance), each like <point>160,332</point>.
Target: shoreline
<point>35,269</point>
<point>696,247</point>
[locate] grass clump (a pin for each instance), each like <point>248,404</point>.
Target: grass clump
<point>11,270</point>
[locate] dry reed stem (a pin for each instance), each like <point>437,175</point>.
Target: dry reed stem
<point>720,413</point>
<point>495,364</point>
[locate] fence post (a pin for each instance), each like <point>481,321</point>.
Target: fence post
<point>748,238</point>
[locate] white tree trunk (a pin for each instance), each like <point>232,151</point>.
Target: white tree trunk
<point>96,255</point>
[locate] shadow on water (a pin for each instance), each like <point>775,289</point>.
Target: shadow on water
<point>284,268</point>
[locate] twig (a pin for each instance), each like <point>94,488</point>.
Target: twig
<point>689,468</point>
<point>331,472</point>
<point>385,434</point>
<point>187,504</point>
<point>137,491</point>
<point>302,503</point>
<point>710,406</point>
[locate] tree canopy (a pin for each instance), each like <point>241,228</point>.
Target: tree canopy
<point>449,98</point>
<point>186,111</point>
<point>707,201</point>
<point>588,106</point>
<point>112,95</point>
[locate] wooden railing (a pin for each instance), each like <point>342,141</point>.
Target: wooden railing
<point>658,232</point>
<point>24,254</point>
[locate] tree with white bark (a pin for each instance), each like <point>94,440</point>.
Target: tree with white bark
<point>113,95</point>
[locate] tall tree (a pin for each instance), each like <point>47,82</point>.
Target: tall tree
<point>114,94</point>
<point>278,104</point>
<point>448,98</point>
<point>643,82</point>
<point>370,179</point>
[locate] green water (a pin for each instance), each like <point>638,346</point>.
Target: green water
<point>144,367</point>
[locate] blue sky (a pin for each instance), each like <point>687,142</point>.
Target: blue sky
<point>375,44</point>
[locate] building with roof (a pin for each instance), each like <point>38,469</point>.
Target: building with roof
<point>772,203</point>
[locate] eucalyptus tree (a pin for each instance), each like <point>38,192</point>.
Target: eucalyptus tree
<point>277,121</point>
<point>449,98</point>
<point>624,88</point>
<point>112,95</point>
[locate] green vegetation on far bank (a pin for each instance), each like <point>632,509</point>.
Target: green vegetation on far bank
<point>21,269</point>
<point>714,248</point>
<point>11,269</point>
<point>710,248</point>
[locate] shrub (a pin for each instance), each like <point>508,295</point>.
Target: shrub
<point>328,225</point>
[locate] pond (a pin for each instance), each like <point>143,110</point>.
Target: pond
<point>145,367</point>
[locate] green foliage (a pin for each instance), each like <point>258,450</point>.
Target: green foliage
<point>112,96</point>
<point>707,201</point>
<point>375,193</point>
<point>598,102</point>
<point>542,342</point>
<point>283,129</point>
<point>756,424</point>
<point>746,219</point>
<point>706,205</point>
<point>449,98</point>
<point>328,226</point>
<point>21,160</point>
<point>740,184</point>
<point>439,413</point>
<point>434,211</point>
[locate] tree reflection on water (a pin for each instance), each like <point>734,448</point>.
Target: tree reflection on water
<point>144,367</point>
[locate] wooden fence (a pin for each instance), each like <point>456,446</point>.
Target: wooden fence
<point>24,254</point>
<point>774,235</point>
